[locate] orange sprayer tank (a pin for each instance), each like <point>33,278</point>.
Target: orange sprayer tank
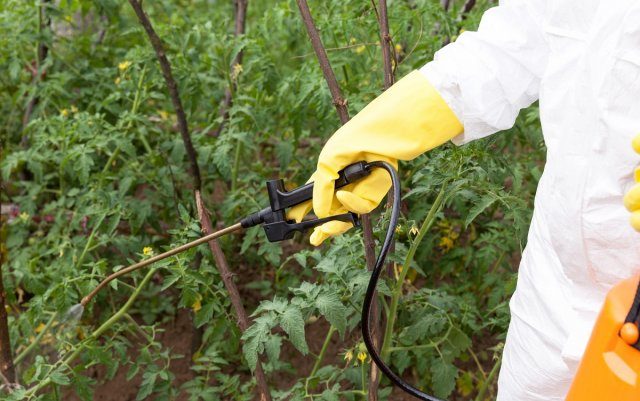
<point>610,367</point>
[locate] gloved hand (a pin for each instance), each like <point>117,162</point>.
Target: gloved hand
<point>632,198</point>
<point>407,120</point>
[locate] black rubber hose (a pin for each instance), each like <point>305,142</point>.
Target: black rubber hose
<point>373,282</point>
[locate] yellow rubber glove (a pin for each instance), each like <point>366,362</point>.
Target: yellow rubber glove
<point>407,120</point>
<point>632,198</point>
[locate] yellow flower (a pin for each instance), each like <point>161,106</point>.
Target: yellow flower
<point>414,230</point>
<point>117,81</point>
<point>237,69</point>
<point>147,251</point>
<point>446,243</point>
<point>40,327</point>
<point>196,305</point>
<point>360,49</point>
<point>362,356</point>
<point>64,113</point>
<point>163,115</point>
<point>348,356</point>
<point>124,65</point>
<point>24,216</point>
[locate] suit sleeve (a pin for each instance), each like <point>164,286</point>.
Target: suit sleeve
<point>488,76</point>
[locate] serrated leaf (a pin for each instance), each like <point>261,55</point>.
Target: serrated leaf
<point>292,323</point>
<point>479,207</point>
<point>459,339</point>
<point>333,310</point>
<point>443,379</point>
<point>204,315</point>
<point>272,347</point>
<point>255,337</point>
<point>146,387</point>
<point>284,153</point>
<point>59,378</point>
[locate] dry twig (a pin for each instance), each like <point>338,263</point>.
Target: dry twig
<point>341,107</point>
<point>389,79</point>
<point>6,358</point>
<point>338,101</point>
<point>205,221</point>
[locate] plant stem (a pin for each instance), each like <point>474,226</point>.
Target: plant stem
<point>89,240</point>
<point>236,165</point>
<point>397,291</point>
<point>338,101</point>
<point>240,25</point>
<point>95,335</point>
<point>134,110</point>
<point>6,358</point>
<point>385,39</point>
<point>172,86</point>
<point>203,215</point>
<point>323,350</point>
<point>487,383</point>
<point>36,341</point>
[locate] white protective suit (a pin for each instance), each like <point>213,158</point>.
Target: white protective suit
<point>581,59</point>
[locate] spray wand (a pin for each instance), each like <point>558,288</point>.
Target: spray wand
<point>277,228</point>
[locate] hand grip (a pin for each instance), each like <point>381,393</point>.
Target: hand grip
<point>280,199</point>
<point>285,199</point>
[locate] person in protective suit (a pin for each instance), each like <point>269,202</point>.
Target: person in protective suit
<point>581,60</point>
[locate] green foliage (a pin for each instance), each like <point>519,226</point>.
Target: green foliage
<point>99,172</point>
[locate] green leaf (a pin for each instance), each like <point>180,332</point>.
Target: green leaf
<point>204,315</point>
<point>293,324</point>
<point>284,153</point>
<point>333,310</point>
<point>272,347</point>
<point>146,387</point>
<point>459,339</point>
<point>59,378</point>
<point>443,379</point>
<point>479,207</point>
<point>255,338</point>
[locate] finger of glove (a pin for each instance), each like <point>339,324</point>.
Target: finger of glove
<point>366,195</point>
<point>330,229</point>
<point>298,212</point>
<point>636,143</point>
<point>323,192</point>
<point>632,198</point>
<point>635,220</point>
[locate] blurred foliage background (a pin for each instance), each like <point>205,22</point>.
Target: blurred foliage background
<point>95,176</point>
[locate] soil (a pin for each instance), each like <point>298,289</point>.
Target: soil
<point>179,336</point>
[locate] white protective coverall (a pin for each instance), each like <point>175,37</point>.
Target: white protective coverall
<point>581,59</point>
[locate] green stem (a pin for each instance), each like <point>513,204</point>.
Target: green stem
<point>134,110</point>
<point>88,244</point>
<point>323,350</point>
<point>363,379</point>
<point>36,341</point>
<point>319,358</point>
<point>93,336</point>
<point>397,292</point>
<point>489,380</point>
<point>236,165</point>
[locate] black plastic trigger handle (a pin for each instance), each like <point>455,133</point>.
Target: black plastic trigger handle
<point>276,225</point>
